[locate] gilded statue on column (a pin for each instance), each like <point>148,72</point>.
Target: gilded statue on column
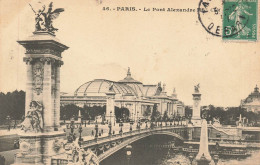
<point>44,19</point>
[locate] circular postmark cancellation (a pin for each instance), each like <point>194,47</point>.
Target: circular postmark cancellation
<point>226,18</point>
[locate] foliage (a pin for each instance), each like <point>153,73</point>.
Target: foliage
<point>68,111</point>
<point>122,113</point>
<point>230,116</point>
<point>188,112</point>
<point>12,104</point>
<point>165,116</point>
<point>155,113</point>
<point>147,112</point>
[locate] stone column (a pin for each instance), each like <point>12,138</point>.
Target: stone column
<point>110,106</point>
<point>57,94</point>
<point>29,84</point>
<point>196,119</point>
<point>40,140</point>
<point>47,99</point>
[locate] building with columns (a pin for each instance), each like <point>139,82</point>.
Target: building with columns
<point>129,93</point>
<point>252,102</point>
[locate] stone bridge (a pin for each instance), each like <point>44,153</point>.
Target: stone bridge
<point>105,146</point>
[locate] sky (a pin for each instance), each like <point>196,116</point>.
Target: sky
<point>172,48</point>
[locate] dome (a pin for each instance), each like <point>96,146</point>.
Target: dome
<point>99,87</point>
<point>129,78</point>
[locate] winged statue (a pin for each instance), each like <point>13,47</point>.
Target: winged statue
<point>196,88</point>
<point>44,19</point>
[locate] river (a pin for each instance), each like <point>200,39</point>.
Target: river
<point>144,154</point>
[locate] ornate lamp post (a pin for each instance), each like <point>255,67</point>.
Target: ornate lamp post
<point>128,153</point>
<point>139,124</point>
<point>191,157</point>
<point>80,138</point>
<point>110,115</point>
<point>131,126</point>
<point>190,119</point>
<point>72,125</point>
<point>121,126</point>
<point>8,118</point>
<point>137,116</point>
<point>64,119</point>
<point>96,128</point>
<point>178,117</point>
<point>110,125</point>
<point>216,158</point>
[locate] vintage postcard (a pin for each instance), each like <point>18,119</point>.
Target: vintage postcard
<point>129,82</point>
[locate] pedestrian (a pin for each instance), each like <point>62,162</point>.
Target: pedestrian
<point>113,132</point>
<point>92,133</point>
<point>102,131</point>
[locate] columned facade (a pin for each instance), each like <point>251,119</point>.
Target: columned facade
<point>129,93</point>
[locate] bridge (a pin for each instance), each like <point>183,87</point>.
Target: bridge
<point>107,145</point>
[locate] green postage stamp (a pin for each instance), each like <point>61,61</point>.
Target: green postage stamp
<point>240,20</point>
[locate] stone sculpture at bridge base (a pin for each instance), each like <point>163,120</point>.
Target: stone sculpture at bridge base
<point>41,137</point>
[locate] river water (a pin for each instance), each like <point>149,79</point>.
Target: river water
<point>144,154</point>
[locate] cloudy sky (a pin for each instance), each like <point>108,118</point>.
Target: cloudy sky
<point>158,46</point>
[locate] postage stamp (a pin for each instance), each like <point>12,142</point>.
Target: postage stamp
<point>240,20</point>
<point>230,19</point>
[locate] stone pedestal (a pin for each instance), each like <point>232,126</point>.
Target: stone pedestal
<point>110,107</point>
<point>196,119</point>
<point>39,148</point>
<point>42,110</point>
<point>79,117</point>
<point>203,156</point>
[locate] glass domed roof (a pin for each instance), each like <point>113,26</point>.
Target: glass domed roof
<point>99,87</point>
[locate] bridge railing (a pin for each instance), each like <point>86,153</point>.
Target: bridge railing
<point>126,134</point>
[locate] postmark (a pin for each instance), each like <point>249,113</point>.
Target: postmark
<point>229,19</point>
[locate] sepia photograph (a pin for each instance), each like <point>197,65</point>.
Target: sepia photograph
<point>129,82</point>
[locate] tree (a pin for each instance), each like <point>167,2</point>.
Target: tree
<point>69,111</point>
<point>12,104</point>
<point>165,116</point>
<point>188,112</point>
<point>155,113</point>
<point>121,113</point>
<point>147,112</point>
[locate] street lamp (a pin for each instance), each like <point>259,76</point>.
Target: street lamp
<point>80,138</point>
<point>110,125</point>
<point>96,128</point>
<point>64,118</point>
<point>121,126</point>
<point>8,118</point>
<point>128,153</point>
<point>71,126</point>
<point>137,115</point>
<point>131,126</point>
<point>139,124</point>
<point>110,115</point>
<point>190,119</point>
<point>216,158</point>
<point>191,157</point>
